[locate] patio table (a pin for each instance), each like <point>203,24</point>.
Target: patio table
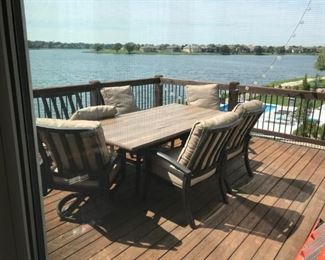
<point>137,131</point>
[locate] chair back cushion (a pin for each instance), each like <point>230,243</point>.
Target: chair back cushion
<point>120,97</point>
<point>206,96</point>
<point>94,113</point>
<point>206,141</point>
<point>250,112</point>
<point>76,147</point>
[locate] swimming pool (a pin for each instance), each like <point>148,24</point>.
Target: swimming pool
<point>268,107</point>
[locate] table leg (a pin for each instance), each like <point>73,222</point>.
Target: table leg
<point>146,176</point>
<point>123,162</point>
<point>138,173</point>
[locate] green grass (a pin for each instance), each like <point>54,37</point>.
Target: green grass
<point>321,84</point>
<point>278,82</point>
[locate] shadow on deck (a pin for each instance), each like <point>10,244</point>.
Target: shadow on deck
<point>270,216</point>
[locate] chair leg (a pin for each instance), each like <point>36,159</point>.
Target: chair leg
<point>246,159</point>
<point>247,165</point>
<point>223,189</point>
<point>67,213</point>
<point>187,206</point>
<point>229,189</point>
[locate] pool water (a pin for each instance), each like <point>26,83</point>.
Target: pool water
<point>268,107</point>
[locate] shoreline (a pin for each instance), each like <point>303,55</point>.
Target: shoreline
<point>296,82</point>
<point>175,53</point>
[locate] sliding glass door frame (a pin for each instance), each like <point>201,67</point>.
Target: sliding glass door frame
<point>21,222</point>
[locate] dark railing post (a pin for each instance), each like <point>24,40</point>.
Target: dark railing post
<point>95,98</point>
<point>158,92</point>
<point>233,95</point>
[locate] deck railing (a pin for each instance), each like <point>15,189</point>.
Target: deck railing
<point>290,114</point>
<point>62,102</point>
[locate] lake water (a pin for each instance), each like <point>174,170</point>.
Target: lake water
<point>69,67</point>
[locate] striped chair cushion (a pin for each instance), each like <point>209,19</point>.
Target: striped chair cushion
<point>75,146</point>
<point>203,147</point>
<point>120,97</point>
<point>206,96</point>
<point>250,112</point>
<point>94,113</point>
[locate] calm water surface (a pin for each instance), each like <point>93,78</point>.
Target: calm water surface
<point>68,67</point>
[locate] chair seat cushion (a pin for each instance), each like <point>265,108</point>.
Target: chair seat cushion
<point>84,181</point>
<point>206,96</point>
<point>94,113</point>
<point>70,184</point>
<point>120,97</point>
<point>163,169</point>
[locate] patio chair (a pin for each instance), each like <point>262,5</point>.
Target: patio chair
<point>200,158</point>
<point>238,144</point>
<point>94,113</point>
<point>120,97</point>
<point>206,96</point>
<point>75,158</point>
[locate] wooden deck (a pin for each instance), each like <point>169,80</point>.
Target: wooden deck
<point>268,219</point>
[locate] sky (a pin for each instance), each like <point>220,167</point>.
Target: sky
<point>256,22</point>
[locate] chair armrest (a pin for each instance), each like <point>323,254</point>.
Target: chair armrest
<point>186,172</point>
<point>110,164</point>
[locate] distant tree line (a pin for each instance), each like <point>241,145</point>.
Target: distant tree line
<point>131,47</point>
<point>58,45</point>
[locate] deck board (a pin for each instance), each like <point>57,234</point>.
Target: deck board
<point>268,218</point>
<point>274,219</point>
<point>256,205</point>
